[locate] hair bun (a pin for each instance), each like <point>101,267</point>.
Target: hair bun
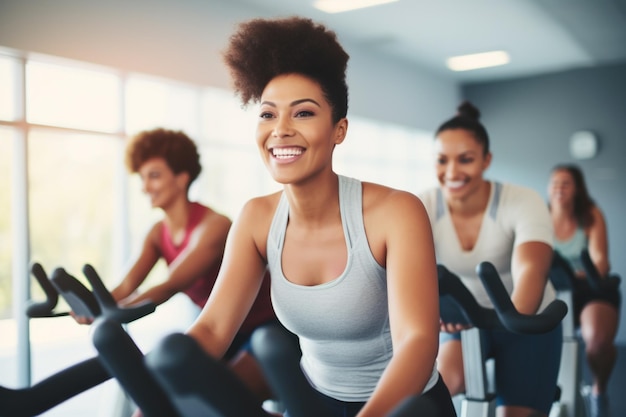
<point>467,109</point>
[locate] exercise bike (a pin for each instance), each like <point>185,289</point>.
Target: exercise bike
<point>201,386</point>
<point>458,305</point>
<point>571,400</point>
<point>78,378</point>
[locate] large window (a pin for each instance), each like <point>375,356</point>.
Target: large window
<point>153,102</point>
<point>72,195</point>
<point>5,221</point>
<point>9,101</point>
<point>83,207</point>
<point>8,111</point>
<point>67,96</point>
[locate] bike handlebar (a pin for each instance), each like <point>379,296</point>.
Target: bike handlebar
<point>513,320</point>
<point>458,305</point>
<point>98,303</point>
<point>78,297</point>
<point>44,308</point>
<point>597,282</point>
<point>109,306</point>
<point>504,314</point>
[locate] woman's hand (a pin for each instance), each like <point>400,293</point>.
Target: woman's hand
<point>453,327</point>
<point>81,319</point>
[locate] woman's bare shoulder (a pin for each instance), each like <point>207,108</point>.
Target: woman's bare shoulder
<point>261,206</point>
<point>382,197</point>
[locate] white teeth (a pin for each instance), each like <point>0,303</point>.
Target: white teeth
<point>454,184</point>
<point>286,152</point>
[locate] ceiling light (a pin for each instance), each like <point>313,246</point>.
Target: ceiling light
<point>338,6</point>
<point>475,61</point>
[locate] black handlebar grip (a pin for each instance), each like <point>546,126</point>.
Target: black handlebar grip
<point>44,308</point>
<point>101,293</point>
<point>596,282</point>
<point>450,285</point>
<point>128,314</point>
<point>278,353</point>
<point>512,320</point>
<point>109,306</point>
<point>80,299</point>
<point>200,384</point>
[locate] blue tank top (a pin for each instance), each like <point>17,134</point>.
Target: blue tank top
<point>343,325</point>
<point>570,249</point>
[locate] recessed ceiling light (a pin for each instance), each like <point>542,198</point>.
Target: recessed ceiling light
<point>475,61</point>
<point>338,6</point>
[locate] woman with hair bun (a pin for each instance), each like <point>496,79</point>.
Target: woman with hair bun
<point>474,220</point>
<point>352,263</point>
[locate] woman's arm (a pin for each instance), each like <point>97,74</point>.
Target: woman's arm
<point>413,299</point>
<point>136,275</point>
<point>598,243</point>
<point>237,285</point>
<point>529,266</point>
<point>532,252</point>
<point>204,251</point>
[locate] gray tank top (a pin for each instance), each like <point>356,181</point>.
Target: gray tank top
<point>343,325</point>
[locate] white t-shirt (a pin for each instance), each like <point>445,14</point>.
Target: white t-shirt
<point>514,215</point>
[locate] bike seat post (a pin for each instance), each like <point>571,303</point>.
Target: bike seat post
<point>569,378</point>
<point>569,326</point>
<point>569,403</point>
<point>478,400</point>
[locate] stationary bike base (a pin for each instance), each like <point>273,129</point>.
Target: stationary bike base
<point>478,408</point>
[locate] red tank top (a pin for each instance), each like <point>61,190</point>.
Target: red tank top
<point>199,291</point>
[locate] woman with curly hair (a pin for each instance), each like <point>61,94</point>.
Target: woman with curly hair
<point>190,238</point>
<point>579,224</point>
<point>352,265</point>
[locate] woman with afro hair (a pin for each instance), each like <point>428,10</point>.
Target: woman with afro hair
<point>190,238</point>
<point>352,264</point>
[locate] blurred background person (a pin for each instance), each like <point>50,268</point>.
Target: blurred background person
<point>579,224</point>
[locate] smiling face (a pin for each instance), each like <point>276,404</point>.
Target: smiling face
<point>160,183</point>
<point>460,163</point>
<point>295,133</point>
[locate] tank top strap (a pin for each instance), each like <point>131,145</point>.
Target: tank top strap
<point>440,208</point>
<point>276,235</point>
<point>495,199</point>
<point>351,208</point>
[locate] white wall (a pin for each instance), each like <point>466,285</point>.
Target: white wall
<point>182,39</point>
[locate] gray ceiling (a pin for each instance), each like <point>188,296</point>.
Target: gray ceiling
<point>542,36</point>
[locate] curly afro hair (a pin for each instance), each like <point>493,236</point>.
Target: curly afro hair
<point>175,147</point>
<point>262,49</point>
